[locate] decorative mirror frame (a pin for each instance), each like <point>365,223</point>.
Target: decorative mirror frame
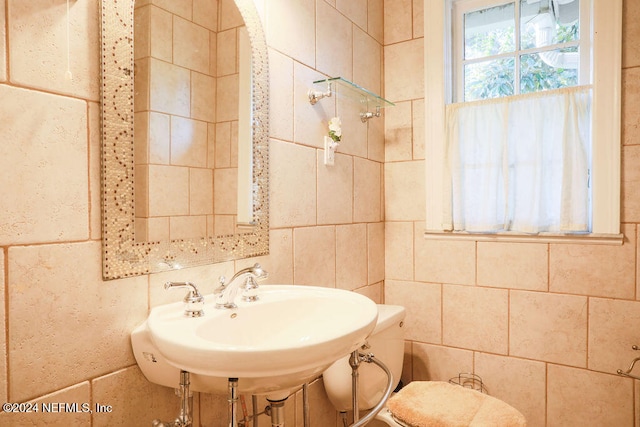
<point>122,256</point>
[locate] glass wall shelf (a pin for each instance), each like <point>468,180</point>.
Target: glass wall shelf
<point>345,88</point>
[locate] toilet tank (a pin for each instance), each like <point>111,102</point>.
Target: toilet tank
<point>386,342</point>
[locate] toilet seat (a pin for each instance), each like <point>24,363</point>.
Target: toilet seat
<point>431,403</point>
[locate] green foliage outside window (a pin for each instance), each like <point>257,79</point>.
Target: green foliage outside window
<point>495,78</point>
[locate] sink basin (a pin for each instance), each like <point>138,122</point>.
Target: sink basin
<point>286,338</point>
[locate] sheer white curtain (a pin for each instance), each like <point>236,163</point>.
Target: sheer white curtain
<point>520,163</point>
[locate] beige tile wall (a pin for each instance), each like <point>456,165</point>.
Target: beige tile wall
<point>545,325</point>
<point>66,330</point>
<point>545,329</point>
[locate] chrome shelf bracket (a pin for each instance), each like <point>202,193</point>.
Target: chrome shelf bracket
<point>364,117</point>
<point>316,95</point>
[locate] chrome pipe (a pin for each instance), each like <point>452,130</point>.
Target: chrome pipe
<point>186,401</point>
<point>277,412</point>
<point>305,405</point>
<point>354,362</point>
<point>343,418</point>
<point>185,418</point>
<point>370,358</point>
<point>233,402</point>
<point>254,409</point>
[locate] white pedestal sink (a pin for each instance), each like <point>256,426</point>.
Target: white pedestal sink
<point>285,339</point>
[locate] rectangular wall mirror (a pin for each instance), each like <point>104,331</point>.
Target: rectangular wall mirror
<point>184,135</point>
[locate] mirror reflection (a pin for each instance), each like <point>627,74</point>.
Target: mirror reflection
<point>191,67</point>
<point>193,188</point>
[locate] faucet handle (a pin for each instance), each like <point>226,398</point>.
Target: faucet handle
<point>193,301</point>
<point>223,285</point>
<point>259,272</point>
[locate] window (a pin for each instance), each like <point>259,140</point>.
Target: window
<point>519,162</point>
<point>504,48</point>
<point>517,47</point>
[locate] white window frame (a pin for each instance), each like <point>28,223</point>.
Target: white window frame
<point>606,63</point>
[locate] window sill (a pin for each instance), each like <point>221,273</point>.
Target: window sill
<point>586,239</point>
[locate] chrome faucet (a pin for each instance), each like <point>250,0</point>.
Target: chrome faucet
<point>246,280</point>
<point>193,301</point>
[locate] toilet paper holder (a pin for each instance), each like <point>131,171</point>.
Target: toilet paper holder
<point>628,373</point>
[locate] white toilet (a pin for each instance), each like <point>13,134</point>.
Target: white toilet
<point>386,342</point>
<point>419,403</point>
